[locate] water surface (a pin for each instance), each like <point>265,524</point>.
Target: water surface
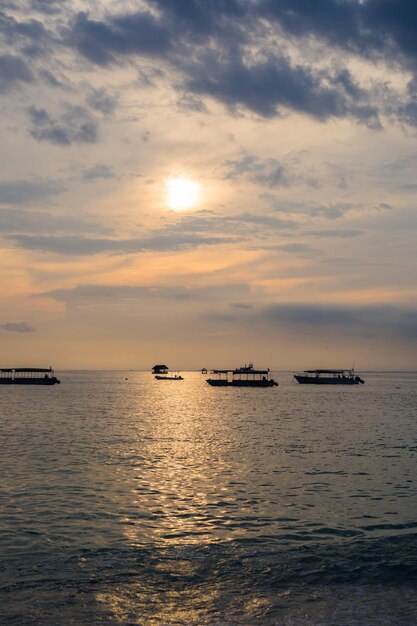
<point>126,500</point>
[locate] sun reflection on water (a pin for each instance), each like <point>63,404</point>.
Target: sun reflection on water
<point>180,493</point>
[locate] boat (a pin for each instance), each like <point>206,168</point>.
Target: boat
<point>328,377</point>
<point>28,376</point>
<point>246,376</point>
<point>169,377</point>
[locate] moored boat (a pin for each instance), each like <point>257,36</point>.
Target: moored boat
<point>328,377</point>
<point>28,376</point>
<point>245,376</point>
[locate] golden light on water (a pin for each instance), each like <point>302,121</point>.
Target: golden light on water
<point>182,193</point>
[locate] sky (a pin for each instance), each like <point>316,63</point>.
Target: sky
<point>206,182</point>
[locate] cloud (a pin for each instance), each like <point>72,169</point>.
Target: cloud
<point>21,192</point>
<point>29,221</point>
<point>238,53</point>
<point>47,6</point>
<point>241,224</point>
<point>343,233</point>
<point>99,171</point>
<point>269,85</point>
<point>189,102</point>
<point>103,101</point>
<point>13,72</point>
<point>76,246</point>
<point>364,321</point>
<point>133,34</point>
<point>330,211</point>
<point>75,125</point>
<point>269,172</point>
<point>18,327</point>
<point>121,293</point>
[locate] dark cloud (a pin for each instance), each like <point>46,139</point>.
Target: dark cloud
<point>75,125</point>
<point>12,29</point>
<point>232,51</point>
<point>20,192</point>
<point>268,85</point>
<point>199,19</point>
<point>367,321</point>
<point>13,72</point>
<point>76,246</point>
<point>17,327</point>
<point>134,34</point>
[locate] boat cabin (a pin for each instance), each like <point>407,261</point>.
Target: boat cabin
<point>245,376</point>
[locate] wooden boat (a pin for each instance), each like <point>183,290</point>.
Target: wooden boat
<point>28,376</point>
<point>245,376</point>
<point>328,377</point>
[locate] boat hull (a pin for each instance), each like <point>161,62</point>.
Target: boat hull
<point>30,381</point>
<point>325,380</point>
<point>242,383</point>
<point>169,378</point>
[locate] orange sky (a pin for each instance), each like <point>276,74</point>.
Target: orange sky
<point>205,185</point>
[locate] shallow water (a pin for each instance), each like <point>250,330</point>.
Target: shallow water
<point>126,500</point>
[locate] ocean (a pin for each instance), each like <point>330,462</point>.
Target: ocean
<point>125,500</point>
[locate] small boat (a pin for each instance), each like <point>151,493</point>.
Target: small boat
<point>204,370</point>
<point>328,377</point>
<point>28,376</point>
<point>245,376</point>
<point>169,377</point>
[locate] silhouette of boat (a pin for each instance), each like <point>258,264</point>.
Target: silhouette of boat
<point>245,376</point>
<point>28,376</point>
<point>169,377</point>
<point>328,377</point>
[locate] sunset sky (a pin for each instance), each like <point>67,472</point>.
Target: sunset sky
<point>205,182</point>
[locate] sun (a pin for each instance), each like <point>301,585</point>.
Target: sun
<point>182,193</point>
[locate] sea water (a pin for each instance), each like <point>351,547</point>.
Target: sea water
<point>126,500</point>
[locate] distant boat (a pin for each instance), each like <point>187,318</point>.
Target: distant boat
<point>204,370</point>
<point>169,377</point>
<point>28,376</point>
<point>245,376</point>
<point>328,377</point>
<point>160,369</point>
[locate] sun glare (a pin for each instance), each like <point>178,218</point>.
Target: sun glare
<point>182,193</point>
